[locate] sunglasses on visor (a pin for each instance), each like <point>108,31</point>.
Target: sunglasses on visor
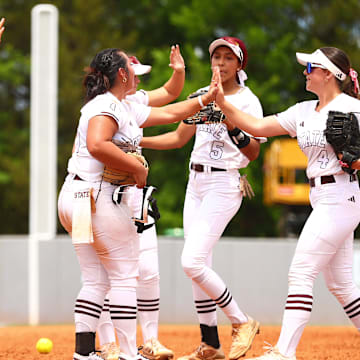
<point>311,66</point>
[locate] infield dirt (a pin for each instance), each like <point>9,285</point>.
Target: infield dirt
<point>317,343</point>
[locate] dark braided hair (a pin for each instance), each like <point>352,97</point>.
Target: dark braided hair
<point>342,61</point>
<point>101,74</point>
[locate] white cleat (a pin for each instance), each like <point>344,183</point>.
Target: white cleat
<point>92,356</point>
<point>205,352</point>
<point>242,337</point>
<point>154,350</point>
<point>138,356</point>
<point>273,354</point>
<point>110,351</point>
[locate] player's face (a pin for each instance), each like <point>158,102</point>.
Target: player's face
<point>131,83</point>
<point>228,63</point>
<point>315,80</point>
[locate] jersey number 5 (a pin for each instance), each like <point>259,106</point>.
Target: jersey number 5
<point>216,150</point>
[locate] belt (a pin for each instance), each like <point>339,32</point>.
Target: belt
<point>328,179</point>
<point>202,168</point>
<point>77,177</point>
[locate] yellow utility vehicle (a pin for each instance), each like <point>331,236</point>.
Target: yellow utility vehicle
<point>286,183</point>
<point>285,180</point>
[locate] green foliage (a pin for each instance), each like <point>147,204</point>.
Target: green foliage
<point>14,139</point>
<point>272,29</point>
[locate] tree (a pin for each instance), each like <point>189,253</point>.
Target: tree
<point>272,29</point>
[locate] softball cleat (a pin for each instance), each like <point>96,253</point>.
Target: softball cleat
<point>205,352</point>
<point>242,337</point>
<point>273,354</point>
<point>154,350</point>
<point>138,356</point>
<point>92,356</point>
<point>110,351</point>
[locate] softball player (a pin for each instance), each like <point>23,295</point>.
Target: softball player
<point>213,197</point>
<point>103,233</point>
<point>148,289</point>
<point>326,241</point>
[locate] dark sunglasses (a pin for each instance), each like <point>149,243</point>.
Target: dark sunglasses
<point>311,66</point>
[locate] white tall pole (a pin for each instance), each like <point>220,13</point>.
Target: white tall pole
<point>43,141</point>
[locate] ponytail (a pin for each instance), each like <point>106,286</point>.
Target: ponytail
<point>95,83</point>
<point>101,74</point>
<point>338,57</point>
<point>350,85</point>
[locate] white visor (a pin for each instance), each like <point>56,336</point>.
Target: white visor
<point>234,47</point>
<point>141,69</point>
<point>318,57</point>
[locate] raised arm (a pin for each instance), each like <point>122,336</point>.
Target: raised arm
<point>183,109</point>
<point>171,140</point>
<point>267,126</point>
<point>171,90</point>
<point>2,27</point>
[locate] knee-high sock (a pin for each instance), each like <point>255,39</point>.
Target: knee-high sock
<point>148,303</point>
<point>87,310</point>
<point>105,329</point>
<point>205,306</point>
<point>212,285</point>
<point>296,316</point>
<point>123,316</point>
<point>353,312</point>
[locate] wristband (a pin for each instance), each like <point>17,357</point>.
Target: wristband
<point>200,101</point>
<point>347,161</point>
<point>239,138</point>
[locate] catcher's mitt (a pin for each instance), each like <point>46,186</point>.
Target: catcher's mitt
<point>206,115</point>
<point>119,177</point>
<point>342,133</point>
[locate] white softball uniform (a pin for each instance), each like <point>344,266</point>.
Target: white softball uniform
<point>111,260</point>
<point>213,146</point>
<point>148,290</point>
<point>326,241</point>
<point>212,198</point>
<point>148,286</point>
<point>308,125</point>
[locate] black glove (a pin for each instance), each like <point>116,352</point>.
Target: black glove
<point>342,133</point>
<point>206,115</point>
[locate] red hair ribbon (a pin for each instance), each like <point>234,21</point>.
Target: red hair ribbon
<point>354,77</point>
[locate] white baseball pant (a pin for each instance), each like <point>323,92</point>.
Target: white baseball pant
<point>212,199</point>
<point>113,255</point>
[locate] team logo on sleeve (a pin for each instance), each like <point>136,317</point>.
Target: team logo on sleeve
<point>113,106</point>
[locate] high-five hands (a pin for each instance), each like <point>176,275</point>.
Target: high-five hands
<point>176,60</point>
<point>220,91</point>
<point>214,85</point>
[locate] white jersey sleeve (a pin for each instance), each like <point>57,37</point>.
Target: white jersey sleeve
<point>140,97</point>
<point>287,119</point>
